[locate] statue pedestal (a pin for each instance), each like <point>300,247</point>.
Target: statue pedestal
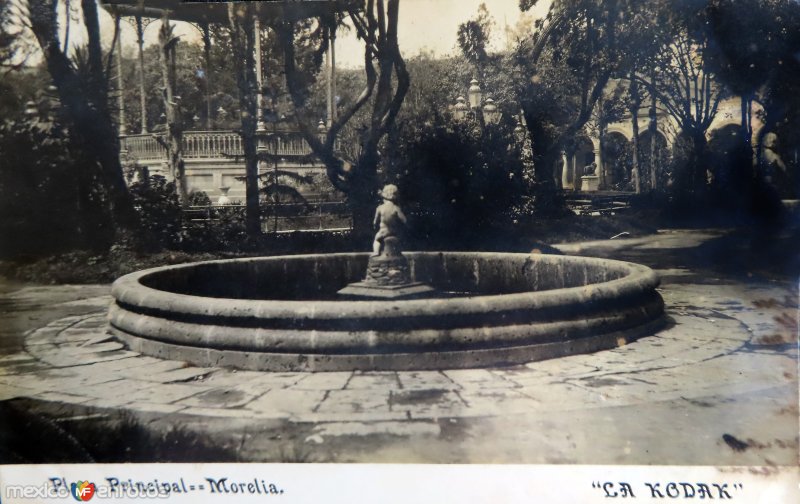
<point>388,270</point>
<point>366,290</point>
<point>388,277</point>
<point>590,183</point>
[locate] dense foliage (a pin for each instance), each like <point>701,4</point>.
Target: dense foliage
<point>462,183</point>
<point>50,198</point>
<point>585,65</point>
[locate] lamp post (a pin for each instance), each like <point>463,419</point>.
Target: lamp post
<point>222,115</point>
<point>476,107</point>
<point>475,94</point>
<point>490,112</point>
<point>461,108</point>
<point>31,111</point>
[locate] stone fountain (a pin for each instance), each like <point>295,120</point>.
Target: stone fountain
<point>412,310</point>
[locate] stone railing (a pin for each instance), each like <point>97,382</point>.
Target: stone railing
<point>141,147</point>
<point>210,145</point>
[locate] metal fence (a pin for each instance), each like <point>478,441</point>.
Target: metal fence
<point>281,217</point>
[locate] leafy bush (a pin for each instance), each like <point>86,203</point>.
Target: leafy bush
<point>460,182</point>
<point>160,215</point>
<point>224,231</point>
<point>49,196</point>
<point>199,198</point>
<point>320,188</point>
<point>163,219</point>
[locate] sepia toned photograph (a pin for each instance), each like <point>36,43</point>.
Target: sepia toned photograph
<point>400,231</point>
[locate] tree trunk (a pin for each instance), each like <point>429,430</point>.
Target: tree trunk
<point>746,127</point>
<point>542,148</point>
<point>362,197</point>
<point>636,171</point>
<point>103,140</point>
<point>95,225</point>
<point>601,156</point>
<point>376,26</point>
<point>548,201</point>
<point>362,203</point>
<point>174,143</point>
<point>653,129</point>
<point>759,144</point>
<point>699,164</point>
<point>636,103</point>
<point>252,199</point>
<point>241,23</point>
<point>747,139</point>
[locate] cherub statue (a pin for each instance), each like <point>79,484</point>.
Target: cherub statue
<point>388,218</point>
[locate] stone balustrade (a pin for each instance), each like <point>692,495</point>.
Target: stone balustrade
<point>210,145</point>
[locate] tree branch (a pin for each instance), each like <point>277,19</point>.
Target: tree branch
<point>713,113</point>
<point>92,24</point>
<point>67,24</point>
<point>362,99</point>
<point>556,22</point>
<point>663,98</point>
<point>160,141</point>
<point>110,56</point>
<point>361,26</point>
<point>381,22</point>
<point>403,78</point>
<point>324,150</point>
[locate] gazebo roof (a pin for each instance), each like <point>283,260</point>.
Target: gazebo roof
<point>217,12</point>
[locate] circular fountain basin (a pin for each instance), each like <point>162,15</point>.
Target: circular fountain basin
<point>282,313</point>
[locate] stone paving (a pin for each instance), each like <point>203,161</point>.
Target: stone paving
<point>727,363</point>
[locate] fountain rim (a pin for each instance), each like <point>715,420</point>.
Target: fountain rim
<point>128,290</point>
